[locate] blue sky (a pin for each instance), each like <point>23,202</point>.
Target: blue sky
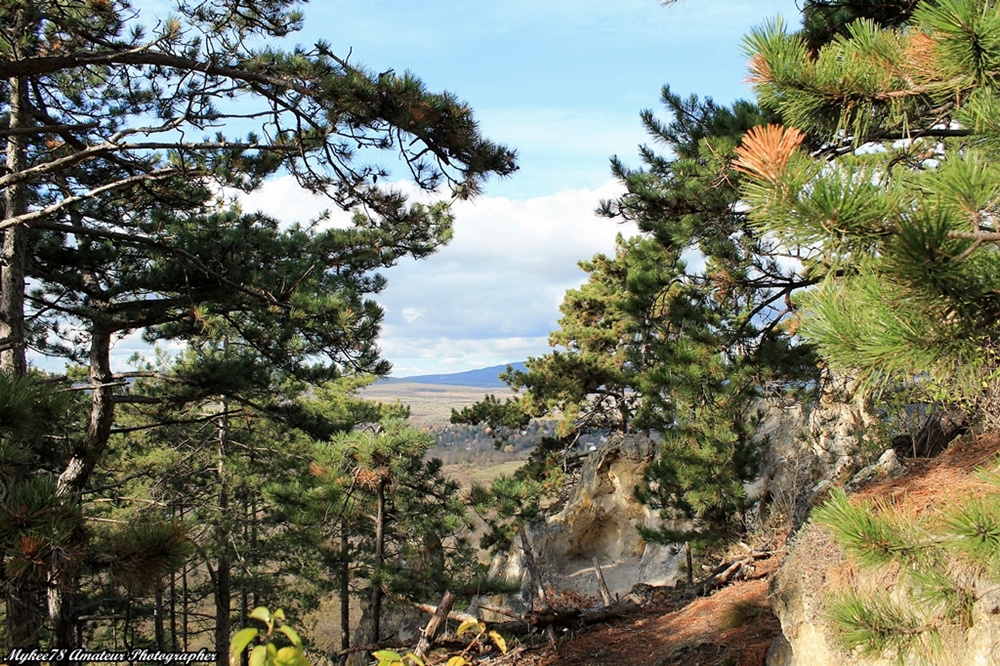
<point>560,81</point>
<point>563,83</point>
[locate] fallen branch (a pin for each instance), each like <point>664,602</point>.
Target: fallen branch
<point>436,624</point>
<point>602,584</point>
<point>457,616</point>
<point>724,573</point>
<point>499,611</point>
<point>549,618</point>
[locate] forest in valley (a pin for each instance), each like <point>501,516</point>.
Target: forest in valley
<point>842,222</point>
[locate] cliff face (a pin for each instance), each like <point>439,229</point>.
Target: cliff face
<point>803,447</point>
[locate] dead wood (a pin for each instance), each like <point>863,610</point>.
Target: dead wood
<point>548,618</point>
<point>726,572</point>
<point>934,434</point>
<point>436,624</point>
<point>457,616</point>
<point>602,584</point>
<point>535,590</point>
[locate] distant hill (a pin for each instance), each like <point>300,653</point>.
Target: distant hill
<point>482,378</point>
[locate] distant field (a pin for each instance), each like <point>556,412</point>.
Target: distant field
<point>467,474</point>
<point>430,404</point>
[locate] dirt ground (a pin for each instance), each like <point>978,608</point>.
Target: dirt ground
<point>733,627</point>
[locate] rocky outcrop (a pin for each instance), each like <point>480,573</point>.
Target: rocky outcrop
<point>816,568</point>
<point>599,520</point>
<point>802,446</point>
<point>805,445</point>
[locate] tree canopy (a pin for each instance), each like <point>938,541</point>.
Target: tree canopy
<point>896,204</point>
<point>126,136</point>
<point>682,331</point>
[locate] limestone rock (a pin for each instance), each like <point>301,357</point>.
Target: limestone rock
<point>888,466</point>
<point>600,519</point>
<point>803,445</point>
<point>780,652</point>
<point>816,567</point>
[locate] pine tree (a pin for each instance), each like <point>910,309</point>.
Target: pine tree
<point>722,333</point>
<point>111,170</point>
<point>651,343</point>
<point>401,522</point>
<point>591,378</point>
<point>110,118</point>
<point>894,208</point>
<point>882,175</point>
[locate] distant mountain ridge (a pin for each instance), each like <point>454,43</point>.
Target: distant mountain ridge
<point>481,378</point>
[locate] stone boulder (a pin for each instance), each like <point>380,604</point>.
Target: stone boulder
<point>601,519</point>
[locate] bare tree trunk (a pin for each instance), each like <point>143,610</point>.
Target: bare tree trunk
<point>602,584</point>
<point>536,591</point>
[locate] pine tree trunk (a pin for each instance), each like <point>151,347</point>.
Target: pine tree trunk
<point>12,263</point>
<point>185,603</point>
<point>223,585</point>
<point>158,632</point>
<point>23,598</point>
<point>24,614</point>
<point>62,617</point>
<point>185,596</point>
<point>74,477</point>
<point>102,412</point>
<point>345,590</point>
<point>173,611</point>
<point>379,561</point>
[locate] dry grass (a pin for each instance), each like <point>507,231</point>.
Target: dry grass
<point>932,482</point>
<point>430,404</point>
<point>667,633</point>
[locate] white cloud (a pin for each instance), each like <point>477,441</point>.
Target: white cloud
<point>415,356</point>
<point>411,315</point>
<point>493,295</point>
<point>283,199</point>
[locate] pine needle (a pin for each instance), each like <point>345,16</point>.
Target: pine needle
<point>765,151</point>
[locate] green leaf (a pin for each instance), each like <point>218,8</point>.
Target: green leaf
<point>279,615</point>
<point>240,642</point>
<point>387,657</point>
<point>258,656</point>
<point>289,656</point>
<point>262,614</point>
<point>292,635</point>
